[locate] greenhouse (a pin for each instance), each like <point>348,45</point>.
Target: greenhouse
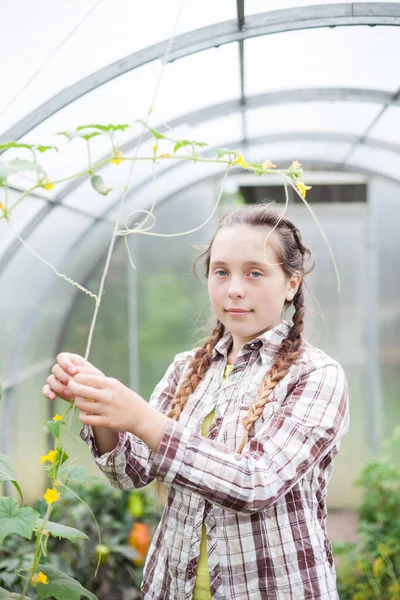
<point>127,130</point>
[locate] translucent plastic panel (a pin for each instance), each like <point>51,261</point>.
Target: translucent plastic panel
<point>387,126</point>
<point>84,196</point>
<point>380,161</point>
<point>169,183</point>
<point>337,117</point>
<point>56,307</point>
<point>386,196</point>
<point>21,215</point>
<point>335,321</point>
<point>209,77</point>
<point>73,46</point>
<point>259,6</point>
<point>215,132</point>
<point>286,152</point>
<point>344,56</point>
<point>26,282</point>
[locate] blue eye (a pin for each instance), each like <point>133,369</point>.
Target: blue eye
<point>221,271</point>
<point>256,274</point>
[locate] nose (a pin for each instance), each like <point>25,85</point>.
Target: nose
<point>236,288</point>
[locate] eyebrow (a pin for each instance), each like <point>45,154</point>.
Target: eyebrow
<point>248,263</point>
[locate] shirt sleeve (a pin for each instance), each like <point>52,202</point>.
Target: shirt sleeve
<point>308,424</point>
<point>127,466</point>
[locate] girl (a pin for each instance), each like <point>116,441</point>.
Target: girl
<point>242,431</point>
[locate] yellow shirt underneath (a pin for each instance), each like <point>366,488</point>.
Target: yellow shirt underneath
<point>202,585</point>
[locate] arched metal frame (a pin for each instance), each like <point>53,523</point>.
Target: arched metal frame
<point>329,15</point>
<point>267,23</point>
<point>280,21</point>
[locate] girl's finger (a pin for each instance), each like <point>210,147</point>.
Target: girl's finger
<point>94,381</point>
<point>84,391</point>
<point>60,374</point>
<point>93,420</point>
<point>48,393</point>
<point>58,388</point>
<point>88,406</point>
<point>89,370</point>
<point>69,362</point>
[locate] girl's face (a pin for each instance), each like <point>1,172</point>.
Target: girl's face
<point>247,288</point>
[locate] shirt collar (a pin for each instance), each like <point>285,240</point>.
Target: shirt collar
<point>268,342</point>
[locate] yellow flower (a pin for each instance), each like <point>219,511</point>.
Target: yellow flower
<point>117,158</point>
<point>46,183</point>
<point>57,418</point>
<point>50,457</point>
<point>40,578</point>
<point>165,156</point>
<point>295,165</point>
<point>302,188</point>
<point>378,567</point>
<point>154,149</point>
<point>2,207</point>
<point>240,161</point>
<point>51,496</point>
<point>267,164</point>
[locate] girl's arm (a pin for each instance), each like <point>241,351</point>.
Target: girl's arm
<point>123,457</point>
<point>309,423</point>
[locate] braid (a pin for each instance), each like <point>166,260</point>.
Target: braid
<point>289,351</point>
<point>197,369</point>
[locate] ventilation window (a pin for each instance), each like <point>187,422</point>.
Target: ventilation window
<point>327,193</point>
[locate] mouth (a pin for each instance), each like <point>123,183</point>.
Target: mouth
<point>237,312</point>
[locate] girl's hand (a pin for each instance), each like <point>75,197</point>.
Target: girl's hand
<point>106,402</point>
<point>66,367</point>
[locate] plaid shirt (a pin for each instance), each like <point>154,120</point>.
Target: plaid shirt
<point>264,510</point>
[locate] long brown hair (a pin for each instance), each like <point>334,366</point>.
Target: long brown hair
<point>292,255</point>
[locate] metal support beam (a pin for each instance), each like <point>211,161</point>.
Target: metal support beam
<point>270,22</point>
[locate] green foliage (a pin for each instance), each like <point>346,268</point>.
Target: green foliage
<point>4,595</point>
<point>371,568</point>
<point>61,586</point>
<point>113,511</point>
<point>62,531</point>
<point>32,147</point>
<point>17,165</point>
<point>14,519</point>
<point>7,471</point>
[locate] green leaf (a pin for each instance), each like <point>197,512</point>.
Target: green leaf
<point>105,128</point>
<point>5,595</point>
<point>126,551</point>
<point>14,519</point>
<point>60,586</point>
<point>70,135</point>
<point>41,149</point>
<point>153,132</point>
<point>54,427</point>
<point>99,185</point>
<point>7,471</point>
<point>17,166</point>
<point>75,474</point>
<point>177,146</point>
<point>220,152</point>
<point>62,531</point>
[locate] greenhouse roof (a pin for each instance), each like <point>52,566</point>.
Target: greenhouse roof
<point>281,80</point>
